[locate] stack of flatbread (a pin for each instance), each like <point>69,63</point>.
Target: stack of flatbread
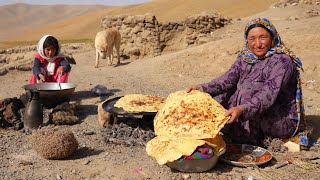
<point>140,103</point>
<point>186,121</point>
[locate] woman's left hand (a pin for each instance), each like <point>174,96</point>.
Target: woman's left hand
<point>234,112</point>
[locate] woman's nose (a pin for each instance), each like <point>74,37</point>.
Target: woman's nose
<point>257,43</point>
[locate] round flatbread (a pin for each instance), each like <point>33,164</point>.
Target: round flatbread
<point>140,103</point>
<point>193,115</point>
<point>166,150</point>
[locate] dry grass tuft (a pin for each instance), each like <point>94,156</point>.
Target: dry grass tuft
<point>54,143</point>
<point>275,145</point>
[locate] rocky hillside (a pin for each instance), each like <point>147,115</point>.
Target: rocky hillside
<point>23,23</point>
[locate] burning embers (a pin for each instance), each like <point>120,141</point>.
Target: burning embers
<point>129,131</point>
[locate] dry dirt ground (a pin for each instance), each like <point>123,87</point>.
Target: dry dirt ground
<point>172,71</point>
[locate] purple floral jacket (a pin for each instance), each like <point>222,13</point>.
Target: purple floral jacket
<point>266,91</point>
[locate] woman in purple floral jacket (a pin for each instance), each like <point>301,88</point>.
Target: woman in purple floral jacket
<point>262,89</point>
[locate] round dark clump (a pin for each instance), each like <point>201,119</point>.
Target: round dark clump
<point>54,143</point>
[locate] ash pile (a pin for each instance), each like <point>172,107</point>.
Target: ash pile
<point>129,131</point>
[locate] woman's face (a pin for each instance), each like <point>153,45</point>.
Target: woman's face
<point>50,51</point>
<point>259,41</point>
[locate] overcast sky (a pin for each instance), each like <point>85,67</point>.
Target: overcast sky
<point>87,2</point>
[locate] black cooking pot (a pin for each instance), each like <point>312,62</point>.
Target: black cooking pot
<point>51,94</point>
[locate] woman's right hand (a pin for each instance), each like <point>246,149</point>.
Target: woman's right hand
<point>235,113</point>
<point>194,87</point>
<point>42,78</point>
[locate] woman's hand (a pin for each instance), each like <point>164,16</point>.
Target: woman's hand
<point>235,113</point>
<point>194,87</point>
<point>42,78</point>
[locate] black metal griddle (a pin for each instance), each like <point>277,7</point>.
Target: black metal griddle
<point>109,107</point>
<point>134,119</point>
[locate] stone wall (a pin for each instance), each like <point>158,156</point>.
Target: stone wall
<point>284,3</point>
<point>144,36</point>
<point>139,34</point>
<point>199,27</point>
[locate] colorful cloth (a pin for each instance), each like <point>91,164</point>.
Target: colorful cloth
<point>199,154</point>
<point>277,48</point>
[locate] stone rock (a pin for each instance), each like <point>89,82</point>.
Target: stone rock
<point>10,113</point>
<point>3,71</point>
<point>24,67</point>
<point>103,116</point>
<point>64,114</point>
<point>202,40</point>
<point>136,30</point>
<point>134,51</point>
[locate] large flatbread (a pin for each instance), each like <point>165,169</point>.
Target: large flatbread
<point>140,103</point>
<point>193,115</point>
<point>166,150</point>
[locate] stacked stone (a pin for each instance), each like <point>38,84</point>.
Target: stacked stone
<point>200,26</point>
<point>139,34</point>
<point>143,36</point>
<point>18,50</point>
<point>169,31</point>
<point>312,2</point>
<point>284,3</point>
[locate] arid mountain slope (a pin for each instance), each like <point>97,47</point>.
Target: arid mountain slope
<point>167,10</point>
<point>17,19</point>
<point>28,22</point>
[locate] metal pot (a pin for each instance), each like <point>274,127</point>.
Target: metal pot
<point>51,94</point>
<point>195,165</point>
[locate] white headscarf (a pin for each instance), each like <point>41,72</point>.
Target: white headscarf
<point>51,64</point>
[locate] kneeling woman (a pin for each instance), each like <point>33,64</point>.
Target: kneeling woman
<point>262,89</point>
<point>49,64</point>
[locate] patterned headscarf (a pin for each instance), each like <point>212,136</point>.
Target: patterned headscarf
<point>277,48</point>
